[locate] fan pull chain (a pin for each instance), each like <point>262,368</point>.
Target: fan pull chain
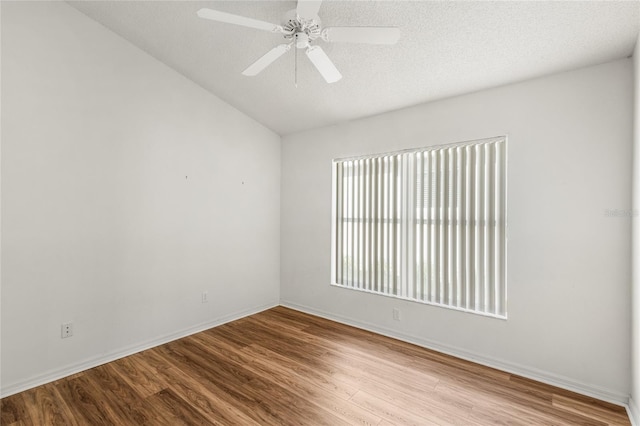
<point>295,67</point>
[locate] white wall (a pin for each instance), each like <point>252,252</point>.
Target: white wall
<point>635,325</point>
<point>568,264</point>
<point>127,190</point>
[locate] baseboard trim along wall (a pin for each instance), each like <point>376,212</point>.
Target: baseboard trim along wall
<point>633,412</point>
<point>113,356</point>
<point>530,373</point>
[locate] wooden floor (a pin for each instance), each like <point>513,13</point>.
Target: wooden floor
<point>282,367</point>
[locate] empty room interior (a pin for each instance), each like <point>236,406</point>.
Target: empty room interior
<point>320,213</point>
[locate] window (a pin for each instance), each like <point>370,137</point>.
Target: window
<point>428,225</point>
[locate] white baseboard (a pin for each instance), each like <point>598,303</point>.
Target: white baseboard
<point>530,373</point>
<point>634,412</point>
<point>57,374</point>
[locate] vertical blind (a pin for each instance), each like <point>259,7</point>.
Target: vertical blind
<point>427,225</point>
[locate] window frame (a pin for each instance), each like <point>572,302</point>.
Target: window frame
<point>445,218</point>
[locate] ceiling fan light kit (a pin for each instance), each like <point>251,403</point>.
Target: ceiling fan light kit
<point>302,26</point>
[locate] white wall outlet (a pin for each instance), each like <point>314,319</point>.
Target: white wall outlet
<point>67,330</point>
<point>205,297</point>
<point>396,314</point>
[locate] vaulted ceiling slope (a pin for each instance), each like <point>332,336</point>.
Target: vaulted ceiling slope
<point>446,49</point>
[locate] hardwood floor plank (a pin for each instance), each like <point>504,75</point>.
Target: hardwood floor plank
<point>283,367</point>
<point>273,315</point>
<point>172,407</point>
<point>521,415</point>
<point>205,399</point>
<point>489,390</point>
<point>281,325</point>
<point>12,409</point>
<point>119,393</point>
<point>427,404</point>
<point>208,403</point>
<point>46,406</point>
<point>155,361</point>
<point>431,398</point>
<point>287,406</point>
<point>138,376</point>
<point>290,345</point>
<point>311,376</point>
<point>291,385</point>
<point>229,335</point>
<point>206,372</point>
<point>86,402</point>
<point>529,384</point>
<point>353,366</point>
<point>224,370</point>
<point>329,396</point>
<point>389,411</point>
<point>400,353</point>
<point>229,393</point>
<point>592,411</point>
<point>394,350</point>
<point>375,368</point>
<point>490,395</point>
<point>222,348</point>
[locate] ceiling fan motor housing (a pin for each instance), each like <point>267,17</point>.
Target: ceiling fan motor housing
<point>301,30</point>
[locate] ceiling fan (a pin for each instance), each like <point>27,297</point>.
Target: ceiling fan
<point>301,27</point>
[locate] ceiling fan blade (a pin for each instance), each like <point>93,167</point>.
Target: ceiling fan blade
<point>371,35</point>
<point>323,64</point>
<point>266,60</point>
<point>216,15</point>
<point>308,9</point>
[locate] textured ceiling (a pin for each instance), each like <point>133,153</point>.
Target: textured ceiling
<point>446,49</point>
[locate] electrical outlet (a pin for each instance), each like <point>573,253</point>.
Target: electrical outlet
<point>396,314</point>
<point>205,297</point>
<point>67,330</point>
